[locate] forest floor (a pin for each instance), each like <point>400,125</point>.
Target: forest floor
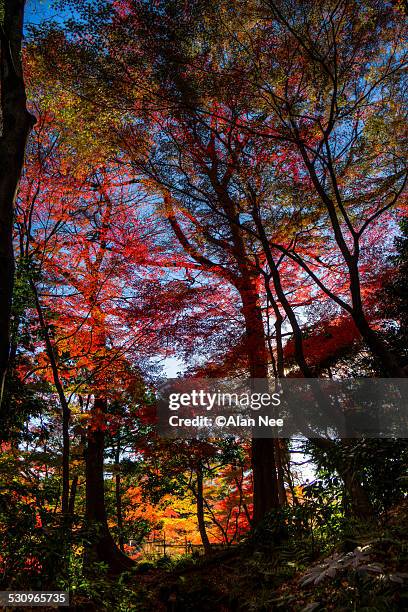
<point>367,571</point>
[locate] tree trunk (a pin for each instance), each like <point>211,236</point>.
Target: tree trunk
<point>72,495</point>
<point>103,547</point>
<point>281,475</point>
<point>266,488</point>
<point>360,503</point>
<point>118,499</point>
<point>119,518</point>
<point>200,510</point>
<point>66,412</point>
<point>16,124</point>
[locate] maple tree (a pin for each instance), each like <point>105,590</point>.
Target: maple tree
<point>320,105</point>
<point>77,352</point>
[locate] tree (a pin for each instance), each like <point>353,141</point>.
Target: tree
<point>323,100</point>
<point>16,124</point>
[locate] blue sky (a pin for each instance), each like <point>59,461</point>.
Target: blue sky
<point>38,10</point>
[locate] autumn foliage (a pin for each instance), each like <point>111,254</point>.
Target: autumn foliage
<point>212,189</point>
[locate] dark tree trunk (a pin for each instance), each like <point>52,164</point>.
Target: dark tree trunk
<point>200,510</point>
<point>103,547</point>
<point>266,487</point>
<point>280,472</point>
<point>16,124</point>
<point>119,518</point>
<point>266,490</point>
<point>360,503</point>
<point>118,499</point>
<point>72,495</point>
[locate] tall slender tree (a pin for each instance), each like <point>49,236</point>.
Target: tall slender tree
<point>16,124</point>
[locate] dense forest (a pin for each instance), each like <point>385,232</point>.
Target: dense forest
<point>201,190</point>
